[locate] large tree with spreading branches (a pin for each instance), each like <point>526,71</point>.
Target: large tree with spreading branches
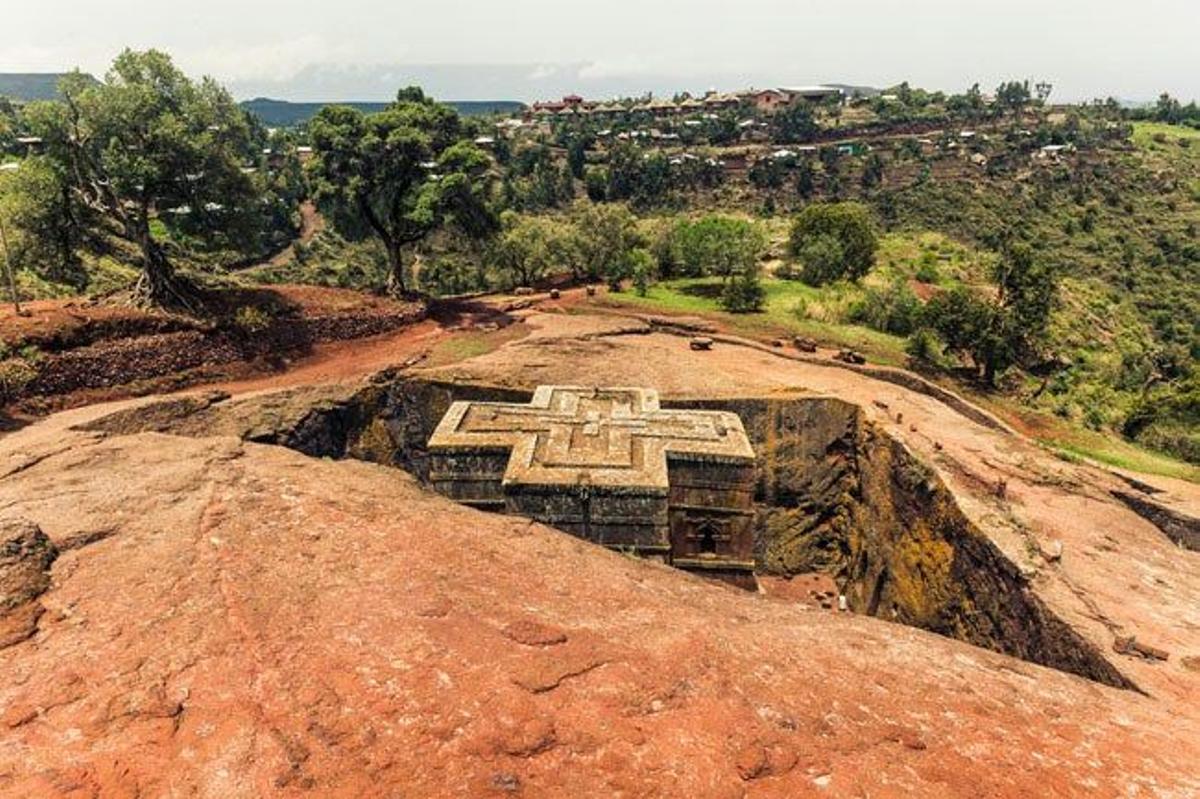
<point>145,141</point>
<point>399,175</point>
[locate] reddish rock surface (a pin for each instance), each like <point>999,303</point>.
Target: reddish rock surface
<point>236,620</point>
<point>225,619</point>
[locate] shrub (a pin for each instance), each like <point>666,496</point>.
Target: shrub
<point>251,319</point>
<point>849,226</point>
<point>744,293</point>
<point>927,271</point>
<point>643,268</point>
<point>923,346</point>
<point>595,181</point>
<point>15,375</point>
<point>894,309</point>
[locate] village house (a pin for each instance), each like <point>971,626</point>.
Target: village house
<point>32,145</point>
<point>768,101</point>
<point>813,94</point>
<point>715,102</point>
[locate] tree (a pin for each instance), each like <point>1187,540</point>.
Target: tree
<point>717,245</point>
<point>595,181</point>
<point>793,124</point>
<point>834,240</point>
<point>524,250</point>
<point>970,325</point>
<point>1009,329</point>
<point>968,104</point>
<point>605,234</point>
<point>1168,109</point>
<point>805,178</point>
<point>8,124</point>
<point>1028,289</point>
<point>872,174</point>
<point>577,157</point>
<point>399,175</point>
<point>43,224</point>
<point>145,140</point>
<point>1013,96</point>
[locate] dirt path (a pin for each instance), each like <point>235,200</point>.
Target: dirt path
<point>311,223</point>
<point>353,359</point>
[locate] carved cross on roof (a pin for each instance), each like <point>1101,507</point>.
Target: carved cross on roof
<point>610,437</point>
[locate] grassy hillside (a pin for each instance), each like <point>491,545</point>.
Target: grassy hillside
<point>1116,210</point>
<point>1122,226</point>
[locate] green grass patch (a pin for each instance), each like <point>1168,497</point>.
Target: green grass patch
<point>465,345</point>
<point>1147,134</point>
<point>1115,452</point>
<point>792,308</point>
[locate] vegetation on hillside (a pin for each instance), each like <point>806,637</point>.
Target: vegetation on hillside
<point>1046,256</point>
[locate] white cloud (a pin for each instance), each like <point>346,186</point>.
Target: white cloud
<point>543,71</point>
<point>272,61</point>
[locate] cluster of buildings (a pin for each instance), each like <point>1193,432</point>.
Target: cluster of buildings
<point>766,101</point>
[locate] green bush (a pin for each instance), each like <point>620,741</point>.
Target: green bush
<point>15,375</point>
<point>927,271</point>
<point>1168,418</point>
<point>643,268</point>
<point>744,293</point>
<point>821,225</point>
<point>894,309</point>
<point>787,271</point>
<point>924,347</point>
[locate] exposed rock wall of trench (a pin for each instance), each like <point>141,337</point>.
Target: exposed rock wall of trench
<point>836,495</point>
<point>917,559</point>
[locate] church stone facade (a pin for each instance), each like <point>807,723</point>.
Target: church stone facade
<point>612,467</point>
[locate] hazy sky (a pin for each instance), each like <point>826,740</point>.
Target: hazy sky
<point>364,49</point>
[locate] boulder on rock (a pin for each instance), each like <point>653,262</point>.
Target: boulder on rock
<point>25,557</point>
<point>804,344</point>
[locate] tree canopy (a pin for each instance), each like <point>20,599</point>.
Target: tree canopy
<point>715,245</point>
<point>998,332</point>
<point>145,141</point>
<point>399,175</point>
<point>834,241</point>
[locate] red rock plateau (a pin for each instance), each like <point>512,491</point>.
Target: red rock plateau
<point>225,618</point>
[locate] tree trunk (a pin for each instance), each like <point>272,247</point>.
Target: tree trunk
<point>158,285</point>
<point>989,372</point>
<point>395,282</point>
<point>8,272</point>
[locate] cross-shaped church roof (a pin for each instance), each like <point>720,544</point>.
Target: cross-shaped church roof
<point>603,437</point>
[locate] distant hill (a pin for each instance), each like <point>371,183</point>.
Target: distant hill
<point>283,113</point>
<point>29,86</point>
